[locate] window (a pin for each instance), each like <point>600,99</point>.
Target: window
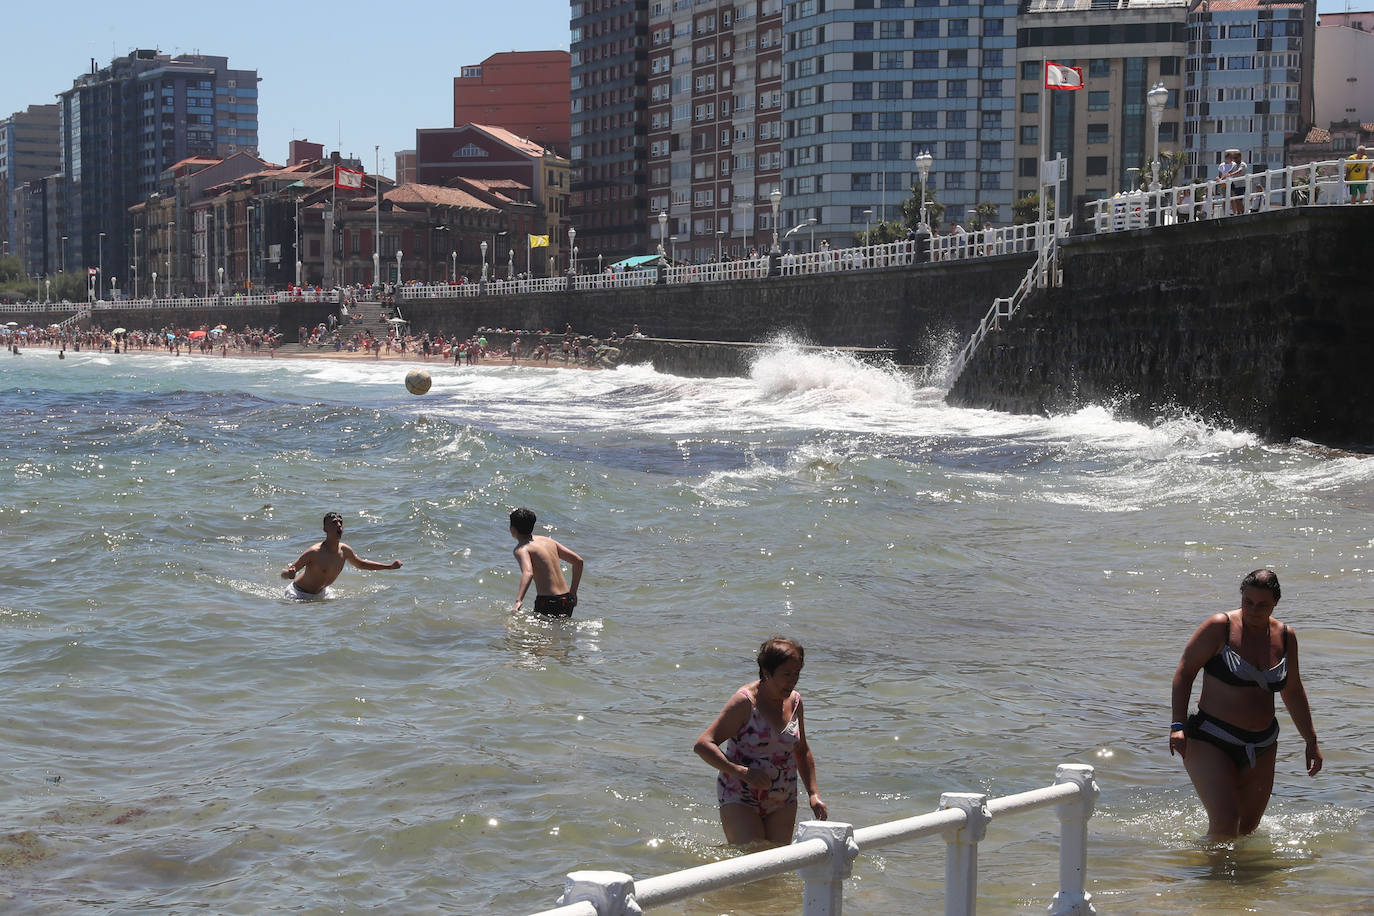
<point>863,91</point>
<point>1168,133</point>
<point>992,57</point>
<point>926,59</point>
<point>925,28</point>
<point>1097,133</point>
<point>991,120</point>
<point>992,89</point>
<point>923,120</point>
<point>891,60</point>
<point>889,151</point>
<point>921,89</point>
<point>990,149</point>
<point>863,60</point>
<point>860,182</point>
<point>863,31</point>
<point>892,28</point>
<point>954,149</point>
<point>857,215</point>
<point>1030,70</point>
<point>1099,66</point>
<point>860,151</point>
<point>1030,134</point>
<point>956,119</point>
<point>956,89</point>
<point>1097,165</point>
<point>992,27</point>
<point>956,57</point>
<point>1099,101</point>
<point>1026,167</point>
<point>863,120</point>
<point>990,181</point>
<point>889,120</point>
<point>1030,102</point>
<point>958,28</point>
<point>954,181</point>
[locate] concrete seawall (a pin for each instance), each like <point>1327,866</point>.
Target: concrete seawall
<point>1262,322</point>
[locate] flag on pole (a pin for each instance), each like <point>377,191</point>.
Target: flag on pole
<point>1060,76</point>
<point>347,178</point>
<point>539,241</point>
<point>90,271</point>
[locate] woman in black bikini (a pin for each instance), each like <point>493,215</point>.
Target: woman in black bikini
<point>1229,745</point>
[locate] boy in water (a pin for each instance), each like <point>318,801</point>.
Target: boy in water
<point>541,562</point>
<point>319,566</point>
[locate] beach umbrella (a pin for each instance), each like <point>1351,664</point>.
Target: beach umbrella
<point>11,324</point>
<point>171,336</point>
<point>221,327</point>
<point>119,331</point>
<point>196,335</point>
<point>397,321</point>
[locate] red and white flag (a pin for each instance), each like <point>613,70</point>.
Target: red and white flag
<point>91,271</point>
<point>347,178</point>
<point>1059,76</point>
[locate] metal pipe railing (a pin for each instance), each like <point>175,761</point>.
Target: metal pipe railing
<point>823,853</point>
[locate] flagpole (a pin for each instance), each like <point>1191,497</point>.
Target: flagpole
<point>377,219</point>
<point>1044,143</point>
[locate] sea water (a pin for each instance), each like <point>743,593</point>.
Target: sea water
<point>982,597</point>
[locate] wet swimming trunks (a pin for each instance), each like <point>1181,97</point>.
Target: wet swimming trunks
<point>555,605</point>
<point>759,744</point>
<point>1240,744</point>
<point>1228,667</point>
<point>296,594</point>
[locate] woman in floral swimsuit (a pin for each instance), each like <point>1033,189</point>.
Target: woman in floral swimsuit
<point>763,724</point>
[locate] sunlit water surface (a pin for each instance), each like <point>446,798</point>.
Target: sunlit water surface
<point>982,597</point>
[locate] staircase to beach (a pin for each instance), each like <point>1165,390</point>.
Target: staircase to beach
<point>364,316</point>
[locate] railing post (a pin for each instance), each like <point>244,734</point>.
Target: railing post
<point>1072,899</point>
<point>961,852</point>
<point>611,892</point>
<point>824,892</point>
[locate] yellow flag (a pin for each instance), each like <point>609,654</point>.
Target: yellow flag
<point>539,241</point>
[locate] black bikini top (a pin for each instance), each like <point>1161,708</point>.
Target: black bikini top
<point>1228,667</point>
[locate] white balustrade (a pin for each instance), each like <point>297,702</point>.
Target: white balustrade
<point>823,853</point>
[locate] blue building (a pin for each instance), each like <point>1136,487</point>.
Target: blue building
<point>122,125</point>
<point>870,84</point>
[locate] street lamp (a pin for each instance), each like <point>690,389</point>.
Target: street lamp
<point>775,198</point>
<point>376,266</point>
<point>398,267</point>
<point>114,281</point>
<point>219,283</point>
<point>662,232</point>
<point>62,256</point>
<point>100,266</point>
<point>171,240</point>
<point>811,221</point>
<point>154,284</point>
<point>137,232</point>
<point>455,266</point>
<point>572,247</point>
<point>747,207</point>
<point>720,234</point>
<point>672,239</point>
<point>510,263</point>
<point>868,238</point>
<point>1156,98</point>
<point>598,264</point>
<point>484,260</point>
<point>923,164</point>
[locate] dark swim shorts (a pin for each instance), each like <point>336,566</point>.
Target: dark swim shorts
<point>555,605</point>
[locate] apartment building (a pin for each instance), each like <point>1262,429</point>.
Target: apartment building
<point>525,92</point>
<point>28,153</point>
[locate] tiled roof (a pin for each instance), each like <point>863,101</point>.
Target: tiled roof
<point>1225,5</point>
<point>1317,135</point>
<point>435,195</point>
<point>505,136</point>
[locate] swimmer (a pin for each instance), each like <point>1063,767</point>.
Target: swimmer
<point>763,723</point>
<point>1229,746</point>
<point>541,561</point>
<point>319,566</point>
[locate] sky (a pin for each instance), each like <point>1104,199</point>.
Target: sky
<point>348,75</point>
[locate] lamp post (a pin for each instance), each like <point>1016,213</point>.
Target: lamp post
<point>662,232</point>
<point>100,266</point>
<point>154,284</point>
<point>598,264</point>
<point>868,217</point>
<point>811,222</point>
<point>219,281</point>
<point>114,285</point>
<point>171,237</point>
<point>1156,98</point>
<point>454,255</point>
<point>62,256</point>
<point>484,260</point>
<point>720,234</point>
<point>923,164</point>
<point>137,232</point>
<point>376,266</point>
<point>433,247</point>
<point>747,207</point>
<point>572,248</point>
<point>550,265</point>
<point>510,264</point>
<point>248,243</point>
<point>672,239</point>
<point>775,198</point>
<point>296,244</point>
<point>398,267</point>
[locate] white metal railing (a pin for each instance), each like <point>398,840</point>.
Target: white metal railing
<point>991,242</point>
<point>624,279</point>
<point>861,257</point>
<point>823,853</point>
<point>1042,274</point>
<point>747,269</point>
<point>33,306</point>
<point>1315,184</point>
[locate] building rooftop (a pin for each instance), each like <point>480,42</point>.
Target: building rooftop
<point>435,195</point>
<point>1077,6</point>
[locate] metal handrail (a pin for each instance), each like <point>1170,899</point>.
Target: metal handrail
<point>823,853</point>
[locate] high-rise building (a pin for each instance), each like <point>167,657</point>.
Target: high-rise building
<point>1344,61</point>
<point>524,92</point>
<point>1249,80</point>
<point>1104,129</point>
<point>28,152</point>
<point>715,124</point>
<point>124,124</point>
<point>871,84</point>
<point>609,206</point>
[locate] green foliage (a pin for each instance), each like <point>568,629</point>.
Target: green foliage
<point>983,215</point>
<point>894,230</point>
<point>1027,209</point>
<point>1171,163</point>
<point>11,269</point>
<point>911,208</point>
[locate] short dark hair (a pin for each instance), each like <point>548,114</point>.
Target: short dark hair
<point>1263,578</point>
<point>777,650</point>
<point>330,516</point>
<point>522,520</point>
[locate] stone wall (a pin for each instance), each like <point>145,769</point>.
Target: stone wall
<point>1262,322</point>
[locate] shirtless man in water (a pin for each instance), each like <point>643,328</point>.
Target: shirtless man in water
<point>541,562</point>
<point>319,566</point>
